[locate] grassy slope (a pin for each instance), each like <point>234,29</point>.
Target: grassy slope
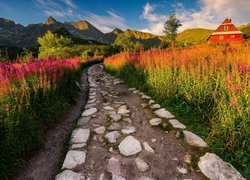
<point>245,29</point>
<point>194,36</point>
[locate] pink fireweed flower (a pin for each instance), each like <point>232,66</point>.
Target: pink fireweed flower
<point>234,102</point>
<point>7,108</point>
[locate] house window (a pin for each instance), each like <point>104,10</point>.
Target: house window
<point>225,28</point>
<point>232,36</point>
<point>221,37</point>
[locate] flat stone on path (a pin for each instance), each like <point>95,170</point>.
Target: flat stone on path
<point>215,168</point>
<point>78,146</point>
<point>74,159</point>
<point>144,178</point>
<point>116,117</point>
<point>114,126</point>
<point>89,112</point>
<point>100,130</point>
<point>130,146</point>
<point>128,130</point>
<point>80,136</point>
<point>176,124</point>
<point>146,97</point>
<point>114,167</point>
<point>155,121</point>
<point>194,140</point>
<point>69,175</point>
<point>148,148</point>
<point>109,108</point>
<point>112,136</point>
<point>163,113</point>
<point>82,121</point>
<point>155,106</point>
<point>123,111</point>
<point>141,165</point>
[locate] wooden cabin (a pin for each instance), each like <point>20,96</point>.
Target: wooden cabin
<point>226,32</point>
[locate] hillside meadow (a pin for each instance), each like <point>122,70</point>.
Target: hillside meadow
<point>32,95</point>
<point>206,86</point>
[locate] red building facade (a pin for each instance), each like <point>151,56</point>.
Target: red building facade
<point>226,32</point>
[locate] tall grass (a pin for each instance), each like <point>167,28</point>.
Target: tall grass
<point>209,83</point>
<point>31,96</point>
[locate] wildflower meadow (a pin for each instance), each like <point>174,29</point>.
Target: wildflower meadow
<point>206,86</point>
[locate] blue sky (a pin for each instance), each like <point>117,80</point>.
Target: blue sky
<point>148,16</point>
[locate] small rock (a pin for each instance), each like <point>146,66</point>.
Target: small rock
<point>78,146</point>
<point>74,159</point>
<point>130,146</point>
<point>69,175</point>
<point>146,97</point>
<point>109,108</point>
<point>128,130</point>
<point>176,124</point>
<point>116,117</point>
<point>163,113</point>
<point>128,120</point>
<point>155,121</point>
<point>114,167</point>
<point>100,130</point>
<point>141,165</point>
<point>175,159</point>
<point>187,158</point>
<point>155,106</point>
<point>136,91</point>
<point>193,140</point>
<point>153,140</point>
<point>123,107</point>
<point>123,111</point>
<point>148,148</point>
<point>83,120</point>
<point>132,89</point>
<point>80,136</point>
<point>144,105</point>
<point>91,101</point>
<point>215,168</point>
<point>151,102</point>
<point>89,112</point>
<point>114,126</point>
<point>101,176</point>
<point>182,170</point>
<point>112,136</point>
<point>145,178</point>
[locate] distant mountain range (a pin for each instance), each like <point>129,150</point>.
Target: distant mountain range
<point>12,34</point>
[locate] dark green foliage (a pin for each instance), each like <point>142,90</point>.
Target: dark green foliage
<point>171,26</point>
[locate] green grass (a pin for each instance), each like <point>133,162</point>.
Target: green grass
<point>194,118</point>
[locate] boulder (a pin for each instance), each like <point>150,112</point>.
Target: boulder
<point>163,113</point>
<point>130,146</point>
<point>74,159</point>
<point>69,175</point>
<point>213,167</point>
<point>80,136</point>
<point>89,112</point>
<point>112,136</point>
<point>155,121</point>
<point>100,130</point>
<point>194,140</point>
<point>176,124</point>
<point>141,165</point>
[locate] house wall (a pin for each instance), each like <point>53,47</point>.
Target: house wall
<point>225,38</point>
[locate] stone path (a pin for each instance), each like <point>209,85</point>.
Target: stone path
<point>124,134</point>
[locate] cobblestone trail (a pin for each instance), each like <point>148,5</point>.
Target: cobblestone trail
<point>124,134</point>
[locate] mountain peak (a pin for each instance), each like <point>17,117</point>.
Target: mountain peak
<point>50,21</point>
<point>81,25</point>
<point>117,31</point>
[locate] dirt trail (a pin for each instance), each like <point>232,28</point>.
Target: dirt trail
<point>45,162</point>
<point>118,132</point>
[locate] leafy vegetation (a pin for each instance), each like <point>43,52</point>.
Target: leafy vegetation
<point>31,96</point>
<point>206,86</point>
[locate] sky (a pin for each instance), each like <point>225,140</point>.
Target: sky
<point>147,16</point>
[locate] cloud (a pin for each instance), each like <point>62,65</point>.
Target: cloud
<point>155,21</point>
<point>106,23</point>
<point>209,14</point>
<point>57,8</point>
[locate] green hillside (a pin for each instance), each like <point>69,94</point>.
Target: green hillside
<point>245,29</point>
<point>194,36</point>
